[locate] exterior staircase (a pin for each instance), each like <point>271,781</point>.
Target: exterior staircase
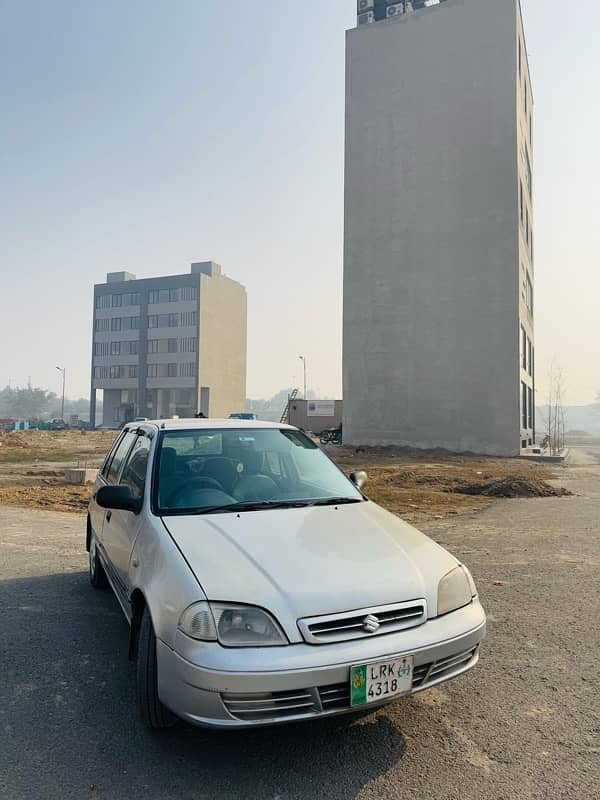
<point>285,416</point>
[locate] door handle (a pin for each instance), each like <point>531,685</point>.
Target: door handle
<point>108,516</point>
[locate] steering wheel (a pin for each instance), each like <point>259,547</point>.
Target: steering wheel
<point>190,486</point>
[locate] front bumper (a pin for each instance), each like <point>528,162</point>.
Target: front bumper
<point>213,686</point>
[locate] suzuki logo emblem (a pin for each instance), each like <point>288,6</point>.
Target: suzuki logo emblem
<point>371,624</point>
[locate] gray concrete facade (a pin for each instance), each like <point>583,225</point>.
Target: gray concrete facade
<point>152,354</point>
<point>436,257</point>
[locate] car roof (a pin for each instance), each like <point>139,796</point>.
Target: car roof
<point>209,424</point>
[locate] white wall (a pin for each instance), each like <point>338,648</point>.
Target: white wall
<point>431,322</point>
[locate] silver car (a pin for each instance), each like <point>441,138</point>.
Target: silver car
<point>262,586</point>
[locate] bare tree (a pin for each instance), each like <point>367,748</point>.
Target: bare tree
<point>555,419</point>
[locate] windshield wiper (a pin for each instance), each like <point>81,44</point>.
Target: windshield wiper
<point>251,505</point>
<point>334,501</point>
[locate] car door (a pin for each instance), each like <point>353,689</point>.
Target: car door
<point>97,513</point>
<point>121,527</point>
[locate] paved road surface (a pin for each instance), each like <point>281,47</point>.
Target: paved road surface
<point>525,724</point>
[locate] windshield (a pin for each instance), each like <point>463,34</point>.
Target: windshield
<point>210,470</point>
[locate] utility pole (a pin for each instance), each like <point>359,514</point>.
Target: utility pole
<point>62,406</point>
<point>303,359</point>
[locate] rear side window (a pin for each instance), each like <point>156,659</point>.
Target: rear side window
<point>112,476</point>
<point>134,471</point>
<point>111,452</point>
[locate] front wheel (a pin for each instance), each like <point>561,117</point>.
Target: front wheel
<point>154,714</point>
<point>98,577</point>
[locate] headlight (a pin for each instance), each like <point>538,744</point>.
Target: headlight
<point>232,625</point>
<point>454,591</point>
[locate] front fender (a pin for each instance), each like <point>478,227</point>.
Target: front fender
<point>159,571</point>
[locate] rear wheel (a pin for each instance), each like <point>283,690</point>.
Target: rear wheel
<point>154,714</point>
<point>98,577</point>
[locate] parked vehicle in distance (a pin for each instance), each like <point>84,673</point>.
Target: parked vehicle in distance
<point>57,425</point>
<point>247,415</point>
<point>260,583</point>
<point>331,435</point>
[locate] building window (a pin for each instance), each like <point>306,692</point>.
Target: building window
<point>162,370</point>
<point>103,301</point>
<point>529,407</point>
<point>189,319</point>
<point>117,300</point>
<point>189,293</point>
<point>521,204</point>
<point>528,176</point>
<point>115,372</point>
<point>529,294</point>
<point>163,321</point>
<point>163,296</point>
<point>529,357</point>
<point>131,299</point>
<point>187,345</point>
<point>187,370</point>
<point>523,348</point>
<point>131,323</point>
<point>101,349</point>
<point>101,324</point>
<point>129,348</point>
<point>100,372</point>
<point>132,371</point>
<point>116,324</point>
<point>115,348</point>
<point>524,414</point>
<point>172,345</point>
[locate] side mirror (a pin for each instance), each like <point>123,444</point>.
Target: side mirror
<point>118,498</point>
<point>359,479</point>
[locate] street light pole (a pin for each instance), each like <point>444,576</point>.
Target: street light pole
<point>62,406</point>
<point>303,359</point>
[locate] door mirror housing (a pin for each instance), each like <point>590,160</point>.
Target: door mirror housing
<point>118,498</point>
<point>359,479</point>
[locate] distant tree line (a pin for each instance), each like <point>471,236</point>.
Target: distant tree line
<point>37,403</point>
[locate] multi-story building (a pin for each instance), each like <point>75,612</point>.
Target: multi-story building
<point>438,264</point>
<point>173,345</point>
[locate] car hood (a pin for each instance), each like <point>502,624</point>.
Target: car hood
<point>302,562</point>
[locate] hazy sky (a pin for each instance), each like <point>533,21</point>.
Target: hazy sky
<point>146,135</point>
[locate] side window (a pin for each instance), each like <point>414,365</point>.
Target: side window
<point>134,472</point>
<point>120,454</point>
<point>111,452</point>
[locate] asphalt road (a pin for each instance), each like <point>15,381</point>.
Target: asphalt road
<point>524,724</point>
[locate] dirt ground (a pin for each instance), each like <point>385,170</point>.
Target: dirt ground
<point>417,485</point>
<point>424,485</point>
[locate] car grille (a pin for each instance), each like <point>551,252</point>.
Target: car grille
<point>302,703</point>
<point>363,623</point>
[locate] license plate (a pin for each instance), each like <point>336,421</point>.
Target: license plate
<point>370,683</point>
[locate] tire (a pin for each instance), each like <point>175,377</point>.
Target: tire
<point>98,577</point>
<point>152,711</point>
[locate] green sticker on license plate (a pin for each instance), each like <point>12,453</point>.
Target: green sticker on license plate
<point>372,683</point>
<point>358,685</point>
